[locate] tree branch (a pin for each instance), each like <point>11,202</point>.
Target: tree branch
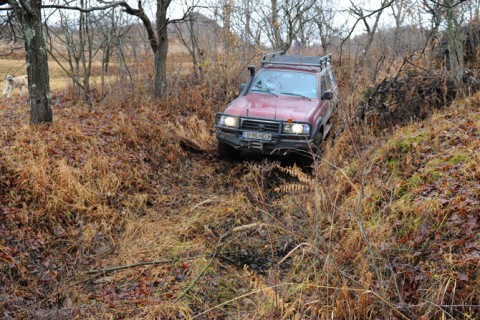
<point>85,10</point>
<point>448,6</point>
<point>140,13</point>
<point>363,17</point>
<point>23,5</point>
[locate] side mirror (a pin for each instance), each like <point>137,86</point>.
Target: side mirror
<point>327,95</point>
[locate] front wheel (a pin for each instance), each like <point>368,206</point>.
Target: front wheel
<point>317,144</point>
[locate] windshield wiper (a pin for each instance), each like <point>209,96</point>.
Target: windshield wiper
<point>296,94</point>
<point>268,92</point>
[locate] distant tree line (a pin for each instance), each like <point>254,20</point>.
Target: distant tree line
<point>85,30</point>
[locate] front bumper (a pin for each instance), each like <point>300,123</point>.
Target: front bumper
<point>273,147</point>
<point>279,144</point>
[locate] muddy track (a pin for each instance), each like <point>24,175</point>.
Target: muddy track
<point>253,241</point>
<point>204,209</point>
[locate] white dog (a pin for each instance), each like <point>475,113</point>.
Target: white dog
<point>13,82</point>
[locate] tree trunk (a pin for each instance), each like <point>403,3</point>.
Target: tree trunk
<point>158,42</point>
<point>85,43</point>
<point>227,20</point>
<point>248,18</point>
<point>160,84</point>
<point>455,48</point>
<point>371,30</point>
<point>105,65</point>
<point>277,36</point>
<point>37,62</point>
<point>399,16</point>
<point>162,49</point>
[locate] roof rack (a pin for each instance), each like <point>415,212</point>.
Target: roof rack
<point>272,55</point>
<point>283,59</point>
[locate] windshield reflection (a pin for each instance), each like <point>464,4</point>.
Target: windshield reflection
<point>290,83</point>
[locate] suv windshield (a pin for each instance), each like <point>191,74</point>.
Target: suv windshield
<point>281,82</point>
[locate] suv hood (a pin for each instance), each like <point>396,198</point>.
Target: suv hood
<point>272,107</point>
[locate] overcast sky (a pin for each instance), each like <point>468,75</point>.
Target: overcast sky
<point>177,8</point>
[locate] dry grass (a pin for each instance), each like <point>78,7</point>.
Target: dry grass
<point>16,67</point>
<point>382,227</point>
<point>91,175</point>
<point>59,80</point>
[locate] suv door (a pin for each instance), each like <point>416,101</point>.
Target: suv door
<point>327,84</point>
<point>332,83</point>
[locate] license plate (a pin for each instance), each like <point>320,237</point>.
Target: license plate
<point>257,135</point>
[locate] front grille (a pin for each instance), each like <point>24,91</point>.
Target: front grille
<point>261,125</point>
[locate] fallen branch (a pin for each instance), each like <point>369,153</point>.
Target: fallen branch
<point>150,263</point>
<point>147,263</point>
<point>212,199</point>
<point>198,277</point>
<point>217,249</point>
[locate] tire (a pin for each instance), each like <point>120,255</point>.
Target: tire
<point>225,151</point>
<point>318,142</point>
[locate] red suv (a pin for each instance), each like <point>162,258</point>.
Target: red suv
<point>286,107</point>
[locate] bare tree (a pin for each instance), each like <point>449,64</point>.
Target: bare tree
<point>363,16</point>
<point>246,21</point>
<point>455,43</point>
<point>227,11</point>
<point>158,38</point>
<point>283,20</point>
<point>247,9</point>
<point>107,26</point>
<point>86,52</point>
<point>112,29</point>
<point>325,17</point>
<point>398,13</point>
<point>29,14</point>
<point>10,33</point>
<point>433,10</point>
<point>189,36</point>
<point>78,35</point>
<point>450,12</point>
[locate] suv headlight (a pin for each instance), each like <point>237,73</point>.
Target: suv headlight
<point>228,121</point>
<point>296,128</point>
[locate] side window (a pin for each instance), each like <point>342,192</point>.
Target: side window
<point>326,82</point>
<point>331,77</point>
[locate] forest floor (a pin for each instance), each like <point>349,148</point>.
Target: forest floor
<point>126,212</point>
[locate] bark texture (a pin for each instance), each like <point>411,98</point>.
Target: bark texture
<point>162,50</point>
<point>29,14</point>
